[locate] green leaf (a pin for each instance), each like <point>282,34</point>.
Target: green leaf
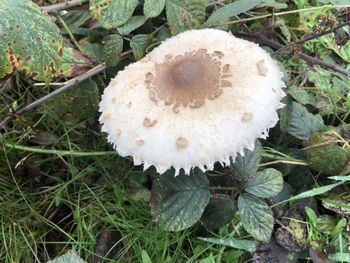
<point>340,227</point>
<point>315,191</point>
<point>285,114</point>
<point>340,178</point>
<point>139,44</point>
<point>44,138</point>
<point>145,257</point>
<point>185,14</point>
<point>256,217</point>
<point>163,34</point>
<point>113,49</point>
<point>29,41</point>
<point>69,257</point>
<point>153,8</point>
<point>311,215</point>
<point>6,67</point>
<point>77,104</point>
<point>325,154</point>
<point>111,14</point>
<point>226,12</point>
<point>178,202</point>
<point>266,183</point>
<point>273,3</point>
<point>133,23</point>
<point>73,63</point>
<point>340,257</point>
<point>301,95</point>
<point>94,51</point>
<point>218,212</point>
<point>247,165</point>
<point>303,124</point>
<point>338,203</point>
<point>247,245</point>
<point>76,19</point>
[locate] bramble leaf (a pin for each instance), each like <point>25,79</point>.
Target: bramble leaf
<point>139,44</point>
<point>133,23</point>
<point>266,183</point>
<point>113,49</point>
<point>219,211</point>
<point>247,164</point>
<point>178,202</point>
<point>73,63</point>
<point>76,105</point>
<point>153,8</point>
<point>328,154</point>
<point>111,14</point>
<point>185,14</point>
<point>30,41</point>
<point>256,216</point>
<point>301,95</point>
<point>303,124</point>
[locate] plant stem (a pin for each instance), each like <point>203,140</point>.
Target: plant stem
<point>69,33</point>
<point>322,33</point>
<point>62,6</point>
<point>57,152</point>
<point>312,60</point>
<point>285,162</point>
<point>279,14</point>
<point>70,83</point>
<point>222,188</point>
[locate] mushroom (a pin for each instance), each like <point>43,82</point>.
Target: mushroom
<point>198,98</point>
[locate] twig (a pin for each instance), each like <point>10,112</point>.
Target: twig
<point>70,83</point>
<point>312,60</point>
<point>303,40</point>
<point>62,6</point>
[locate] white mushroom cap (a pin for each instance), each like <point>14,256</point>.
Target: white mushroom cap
<point>198,98</point>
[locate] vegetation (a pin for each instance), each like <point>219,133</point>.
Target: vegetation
<point>62,187</point>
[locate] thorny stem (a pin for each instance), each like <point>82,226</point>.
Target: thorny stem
<point>64,5</point>
<point>70,83</point>
<point>303,40</point>
<point>312,60</point>
<point>92,72</point>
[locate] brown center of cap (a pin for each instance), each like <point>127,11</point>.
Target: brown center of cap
<point>188,79</point>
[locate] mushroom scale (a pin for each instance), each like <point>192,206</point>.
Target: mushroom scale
<point>200,97</point>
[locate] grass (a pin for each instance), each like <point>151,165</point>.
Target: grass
<point>38,222</point>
